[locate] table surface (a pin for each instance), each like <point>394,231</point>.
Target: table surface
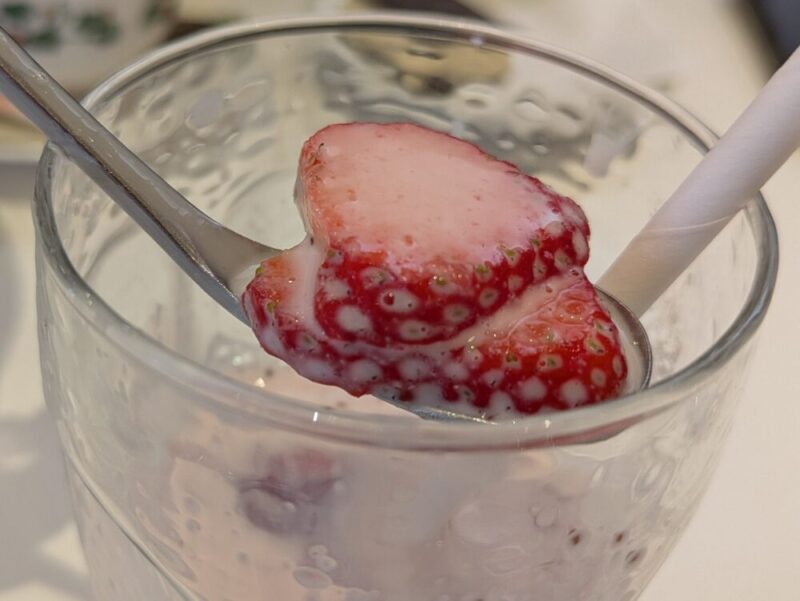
<point>743,544</point>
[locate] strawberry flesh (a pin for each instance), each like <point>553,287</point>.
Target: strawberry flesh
<point>420,246</point>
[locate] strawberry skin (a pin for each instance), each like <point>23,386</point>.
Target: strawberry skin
<point>419,241</point>
<point>553,348</point>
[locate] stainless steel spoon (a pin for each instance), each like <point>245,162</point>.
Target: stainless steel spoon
<point>218,259</point>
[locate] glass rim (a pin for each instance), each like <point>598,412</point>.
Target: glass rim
<point>583,424</point>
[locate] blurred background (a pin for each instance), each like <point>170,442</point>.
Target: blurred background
<point>671,45</point>
<point>712,56</point>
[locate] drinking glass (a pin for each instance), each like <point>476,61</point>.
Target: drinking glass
<point>201,468</point>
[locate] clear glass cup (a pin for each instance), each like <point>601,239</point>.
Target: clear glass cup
<point>201,468</point>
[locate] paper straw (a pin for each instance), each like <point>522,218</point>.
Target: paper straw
<point>755,146</point>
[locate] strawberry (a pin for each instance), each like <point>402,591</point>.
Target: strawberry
<point>284,498</point>
<point>425,234</point>
<point>552,348</point>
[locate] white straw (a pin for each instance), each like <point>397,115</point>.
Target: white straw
<point>755,146</point>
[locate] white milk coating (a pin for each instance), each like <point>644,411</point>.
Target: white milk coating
<point>555,524</point>
<point>305,260</point>
<point>392,177</point>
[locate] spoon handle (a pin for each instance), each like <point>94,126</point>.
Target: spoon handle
<point>208,252</point>
<point>754,147</point>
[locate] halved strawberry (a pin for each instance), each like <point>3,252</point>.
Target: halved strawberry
<point>554,347</point>
<point>424,233</point>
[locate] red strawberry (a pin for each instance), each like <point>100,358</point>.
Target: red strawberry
<point>554,347</point>
<point>425,234</point>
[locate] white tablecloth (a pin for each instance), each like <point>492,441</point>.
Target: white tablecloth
<point>744,543</point>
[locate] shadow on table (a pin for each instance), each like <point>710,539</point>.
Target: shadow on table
<point>34,507</point>
<point>9,291</point>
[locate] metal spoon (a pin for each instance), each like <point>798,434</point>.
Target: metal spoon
<point>218,259</point>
